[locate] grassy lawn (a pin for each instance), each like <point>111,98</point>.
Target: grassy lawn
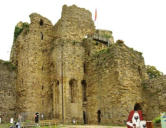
<point>5,125</point>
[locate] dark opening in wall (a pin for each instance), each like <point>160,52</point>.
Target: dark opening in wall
<point>16,63</point>
<point>99,116</point>
<point>57,82</point>
<point>84,86</point>
<point>42,87</point>
<point>139,71</point>
<point>57,91</point>
<point>84,68</point>
<point>22,81</point>
<point>41,22</point>
<point>88,53</point>
<point>84,117</point>
<point>73,90</point>
<point>41,35</point>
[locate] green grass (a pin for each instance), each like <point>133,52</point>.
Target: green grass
<point>47,127</point>
<point>5,125</point>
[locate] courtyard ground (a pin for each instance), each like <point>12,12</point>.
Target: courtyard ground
<point>68,126</point>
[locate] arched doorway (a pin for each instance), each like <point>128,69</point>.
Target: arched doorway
<point>73,90</point>
<point>98,116</point>
<point>84,117</point>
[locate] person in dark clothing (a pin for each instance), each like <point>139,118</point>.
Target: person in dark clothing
<point>36,117</point>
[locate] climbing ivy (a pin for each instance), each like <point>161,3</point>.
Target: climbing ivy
<point>18,30</point>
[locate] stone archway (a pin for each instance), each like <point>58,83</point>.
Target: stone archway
<point>73,90</point>
<point>98,116</point>
<point>84,88</point>
<point>84,117</point>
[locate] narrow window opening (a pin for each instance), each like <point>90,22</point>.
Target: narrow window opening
<point>42,68</point>
<point>88,53</point>
<point>22,81</point>
<point>57,83</point>
<point>41,36</point>
<point>84,68</point>
<point>84,86</point>
<point>73,90</point>
<point>42,87</point>
<point>139,71</point>
<point>41,22</point>
<point>57,91</point>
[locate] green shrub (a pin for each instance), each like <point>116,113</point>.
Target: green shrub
<point>153,72</point>
<point>157,120</point>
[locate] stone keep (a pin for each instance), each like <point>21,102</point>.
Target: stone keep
<point>70,71</point>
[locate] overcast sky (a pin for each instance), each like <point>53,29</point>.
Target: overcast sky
<point>140,23</point>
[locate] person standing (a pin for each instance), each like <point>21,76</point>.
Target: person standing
<point>37,118</point>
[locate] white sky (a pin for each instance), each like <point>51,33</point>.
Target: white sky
<point>140,23</point>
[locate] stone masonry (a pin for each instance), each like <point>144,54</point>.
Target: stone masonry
<point>154,95</point>
<point>70,71</point>
<point>7,90</point>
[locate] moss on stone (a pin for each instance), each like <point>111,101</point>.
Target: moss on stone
<point>19,28</point>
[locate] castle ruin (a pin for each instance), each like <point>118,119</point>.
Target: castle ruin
<point>70,71</point>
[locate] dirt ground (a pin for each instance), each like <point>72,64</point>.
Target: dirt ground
<point>89,126</point>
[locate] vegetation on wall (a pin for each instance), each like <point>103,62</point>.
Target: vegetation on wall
<point>19,29</point>
<point>153,72</point>
<point>8,64</point>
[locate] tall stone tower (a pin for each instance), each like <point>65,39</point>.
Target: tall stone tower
<point>68,62</point>
<point>30,53</point>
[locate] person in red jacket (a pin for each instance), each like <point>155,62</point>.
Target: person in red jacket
<point>134,117</point>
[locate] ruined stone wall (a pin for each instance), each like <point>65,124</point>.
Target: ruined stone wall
<point>54,62</point>
<point>7,90</point>
<point>30,53</point>
<point>114,78</point>
<point>75,23</point>
<point>154,94</point>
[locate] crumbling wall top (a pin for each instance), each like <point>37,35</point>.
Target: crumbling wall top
<point>37,18</point>
<point>75,23</point>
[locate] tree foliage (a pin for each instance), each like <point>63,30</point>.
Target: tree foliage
<point>153,72</point>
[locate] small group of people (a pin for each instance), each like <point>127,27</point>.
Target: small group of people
<point>16,124</point>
